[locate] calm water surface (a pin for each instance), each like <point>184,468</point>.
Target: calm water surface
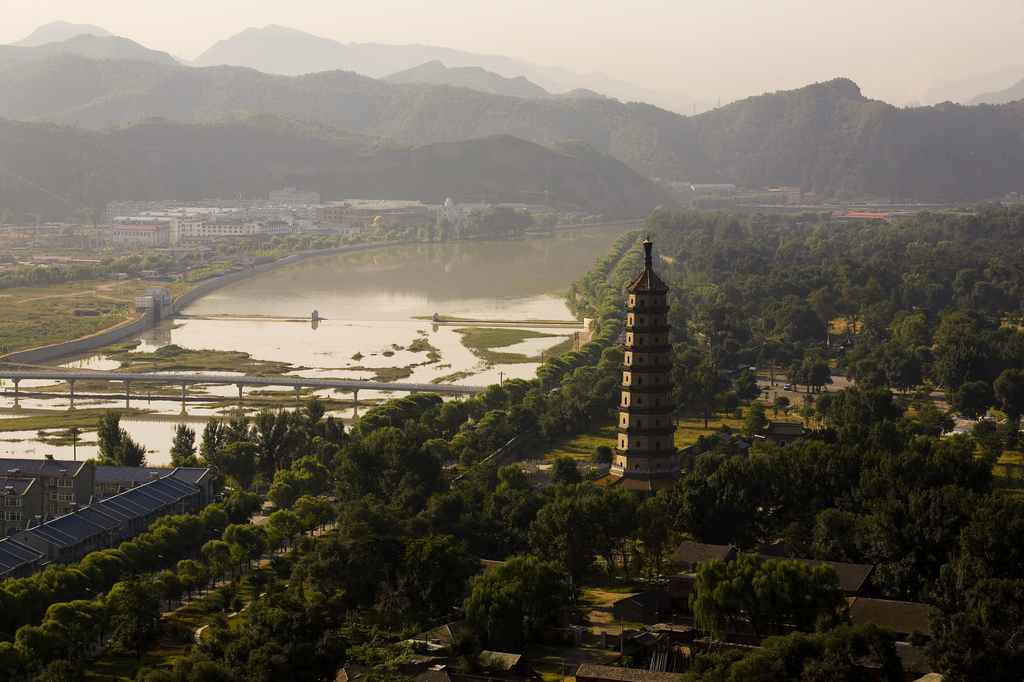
<point>368,303</point>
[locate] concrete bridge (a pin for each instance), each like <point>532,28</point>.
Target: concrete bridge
<point>298,383</point>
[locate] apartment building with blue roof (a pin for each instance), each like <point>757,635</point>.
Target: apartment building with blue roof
<point>103,524</point>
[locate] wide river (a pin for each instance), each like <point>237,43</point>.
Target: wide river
<point>370,303</point>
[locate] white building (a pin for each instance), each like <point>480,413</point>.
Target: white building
<point>290,196</point>
<point>140,236</point>
<point>187,229</point>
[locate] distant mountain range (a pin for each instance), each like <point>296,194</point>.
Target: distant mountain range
<point>290,52</point>
<point>59,171</point>
<point>824,137</point>
<point>86,45</point>
<point>1011,94</point>
<point>473,77</point>
<point>58,32</point>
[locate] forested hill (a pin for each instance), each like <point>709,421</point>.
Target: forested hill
<point>100,94</point>
<point>829,136</point>
<point>61,171</point>
<point>825,137</point>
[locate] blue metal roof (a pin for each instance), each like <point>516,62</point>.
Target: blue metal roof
<point>14,554</point>
<point>18,486</point>
<point>40,467</point>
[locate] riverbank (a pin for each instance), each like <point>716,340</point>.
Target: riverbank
<point>98,338</point>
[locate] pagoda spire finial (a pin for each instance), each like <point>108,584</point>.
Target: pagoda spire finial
<point>648,244</point>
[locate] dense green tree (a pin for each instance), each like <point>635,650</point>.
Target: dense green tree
<point>516,597</point>
<point>565,471</point>
<point>239,461</point>
<point>183,447</point>
<point>134,606</point>
<point>746,387</point>
<point>972,399</point>
<point>981,641</point>
<point>765,596</point>
<point>435,570</point>
<point>703,391</point>
<point>568,530</point>
<point>755,419</point>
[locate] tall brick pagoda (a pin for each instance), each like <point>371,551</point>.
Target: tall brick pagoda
<point>645,455</point>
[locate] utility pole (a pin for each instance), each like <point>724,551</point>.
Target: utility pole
<point>501,378</point>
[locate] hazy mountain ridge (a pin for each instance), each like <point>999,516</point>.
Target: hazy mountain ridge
<point>101,94</point>
<point>286,51</point>
<point>473,77</point>
<point>59,31</point>
<point>1011,94</point>
<point>828,136</point>
<point>824,137</point>
<point>60,170</point>
<point>86,45</point>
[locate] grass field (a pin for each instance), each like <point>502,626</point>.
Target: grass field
<point>42,315</point>
<point>85,418</point>
<point>483,340</point>
<point>176,359</point>
<point>1008,474</point>
<point>581,445</point>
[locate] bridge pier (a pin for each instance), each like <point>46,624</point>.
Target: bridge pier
<point>355,397</point>
<point>16,382</point>
<point>239,391</point>
<point>183,394</point>
<point>297,394</point>
<point>71,385</point>
<point>127,390</point>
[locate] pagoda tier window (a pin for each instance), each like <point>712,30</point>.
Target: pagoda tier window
<point>657,402</point>
<point>657,445</point>
<point>639,401</point>
<point>638,423</point>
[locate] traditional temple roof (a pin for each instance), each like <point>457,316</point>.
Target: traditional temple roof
<point>647,280</point>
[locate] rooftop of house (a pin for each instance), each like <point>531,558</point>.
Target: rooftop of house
<point>14,554</point>
<point>590,671</point>
<point>135,475</point>
<point>440,676</point>
<point>648,598</point>
<point>852,577</point>
<point>40,467</point>
<point>499,660</point>
<point>903,617</point>
<point>784,429</point>
<point>147,497</point>
<point>74,527</point>
<point>692,553</point>
<point>15,486</point>
<point>443,633</point>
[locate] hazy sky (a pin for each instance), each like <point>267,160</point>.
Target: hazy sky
<point>897,50</point>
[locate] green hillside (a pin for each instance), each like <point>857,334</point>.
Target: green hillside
<point>824,137</point>
<point>58,171</point>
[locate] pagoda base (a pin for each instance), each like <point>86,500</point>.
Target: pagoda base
<point>639,484</point>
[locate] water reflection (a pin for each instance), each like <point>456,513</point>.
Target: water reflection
<point>364,320</point>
